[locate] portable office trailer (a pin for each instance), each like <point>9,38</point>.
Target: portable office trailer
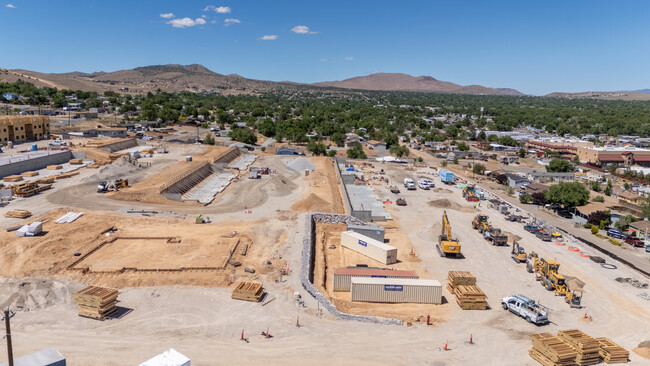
<point>375,232</point>
<point>395,290</point>
<point>343,276</point>
<point>446,176</point>
<point>369,247</point>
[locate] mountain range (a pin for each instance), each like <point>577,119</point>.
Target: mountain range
<point>197,78</point>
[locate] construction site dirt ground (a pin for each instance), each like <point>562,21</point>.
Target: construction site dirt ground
<point>197,317</point>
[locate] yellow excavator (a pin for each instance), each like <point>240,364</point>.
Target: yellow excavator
<point>547,272</point>
<point>480,223</point>
<point>446,244</point>
<point>518,253</point>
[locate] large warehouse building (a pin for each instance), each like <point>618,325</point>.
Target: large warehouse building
<point>24,128</point>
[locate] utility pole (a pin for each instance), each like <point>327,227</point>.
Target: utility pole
<point>10,352</point>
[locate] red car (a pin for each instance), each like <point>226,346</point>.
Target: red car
<point>634,241</point>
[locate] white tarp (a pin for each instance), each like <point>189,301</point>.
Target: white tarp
<point>171,357</point>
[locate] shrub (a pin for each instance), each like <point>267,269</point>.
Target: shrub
<point>526,198</point>
<point>615,242</point>
<point>594,229</point>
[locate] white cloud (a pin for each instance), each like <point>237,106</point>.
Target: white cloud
<point>186,22</point>
<point>167,15</point>
<point>269,38</point>
<point>228,22</point>
<point>218,9</point>
<point>204,16</point>
<point>349,58</point>
<point>323,60</point>
<point>301,29</point>
<point>12,6</point>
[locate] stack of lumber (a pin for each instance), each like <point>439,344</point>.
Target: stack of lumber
<point>470,297</point>
<point>457,278</point>
<point>76,161</point>
<point>54,167</point>
<point>29,174</point>
<point>28,189</point>
<point>13,178</point>
<point>612,352</point>
<point>550,350</point>
<point>47,180</point>
<point>248,291</point>
<point>65,175</point>
<point>587,346</point>
<point>18,214</point>
<point>96,302</point>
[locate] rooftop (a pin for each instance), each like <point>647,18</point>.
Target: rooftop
<point>394,281</point>
<point>361,271</point>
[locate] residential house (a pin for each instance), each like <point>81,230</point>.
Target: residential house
<point>630,202</point>
<point>536,188</point>
<point>544,177</point>
<point>583,212</point>
<point>516,181</point>
<point>641,229</point>
<point>376,145</point>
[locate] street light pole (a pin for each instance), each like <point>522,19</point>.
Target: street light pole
<point>10,352</point>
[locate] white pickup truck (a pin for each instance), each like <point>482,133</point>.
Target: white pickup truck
<point>526,308</point>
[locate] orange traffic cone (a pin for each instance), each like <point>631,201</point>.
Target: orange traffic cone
<point>446,345</point>
<point>298,322</point>
<point>267,332</point>
<point>471,340</point>
<point>585,315</point>
<point>242,335</point>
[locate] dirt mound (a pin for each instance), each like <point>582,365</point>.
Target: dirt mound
<point>441,190</point>
<point>280,185</point>
<point>312,203</point>
<point>643,349</point>
<point>123,166</point>
<point>445,203</point>
<point>574,283</point>
<point>511,236</point>
<point>32,293</point>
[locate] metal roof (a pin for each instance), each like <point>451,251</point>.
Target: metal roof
<point>45,357</point>
<point>362,271</point>
<point>375,243</point>
<point>394,281</point>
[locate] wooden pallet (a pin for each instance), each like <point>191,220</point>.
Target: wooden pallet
<point>587,346</point>
<point>539,357</point>
<point>54,167</point>
<point>76,162</point>
<point>95,296</point>
<point>248,291</point>
<point>470,297</point>
<point>13,178</point>
<point>456,278</point>
<point>612,352</point>
<point>29,174</point>
<point>553,348</point>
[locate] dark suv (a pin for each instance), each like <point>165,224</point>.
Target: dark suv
<point>544,235</point>
<point>531,229</point>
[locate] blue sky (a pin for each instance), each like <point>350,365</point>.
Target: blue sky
<point>536,47</point>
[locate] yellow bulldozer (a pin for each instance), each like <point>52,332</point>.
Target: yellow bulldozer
<point>480,223</point>
<point>547,272</point>
<point>446,244</point>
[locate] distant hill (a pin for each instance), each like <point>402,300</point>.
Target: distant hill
<point>397,81</point>
<point>617,95</point>
<point>643,91</point>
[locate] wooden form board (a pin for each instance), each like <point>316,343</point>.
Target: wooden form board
<point>469,297</point>
<point>456,278</point>
<point>96,302</point>
<point>248,291</point>
<point>587,346</point>
<point>553,349</point>
<point>612,352</point>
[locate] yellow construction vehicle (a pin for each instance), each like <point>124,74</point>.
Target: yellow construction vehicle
<point>469,193</point>
<point>547,272</point>
<point>518,253</point>
<point>114,185</point>
<point>480,223</point>
<point>446,244</point>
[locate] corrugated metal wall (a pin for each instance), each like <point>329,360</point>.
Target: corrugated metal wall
<point>342,282</point>
<point>408,293</point>
<point>369,247</point>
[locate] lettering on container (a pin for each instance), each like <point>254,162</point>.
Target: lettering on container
<point>378,276</point>
<point>393,288</point>
<point>361,242</point>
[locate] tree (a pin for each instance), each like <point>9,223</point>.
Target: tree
<point>462,146</point>
<point>316,148</point>
<point>608,191</point>
<point>624,222</point>
<point>507,141</point>
<point>539,198</point>
<point>399,150</point>
<point>481,136</point>
<point>575,160</point>
<point>244,135</point>
<point>599,218</point>
<point>455,161</point>
<point>594,229</point>
<point>208,139</point>
<point>595,186</point>
<point>627,186</point>
<point>338,138</point>
<point>598,199</point>
<point>526,198</point>
<point>443,163</point>
<point>510,191</point>
<point>559,166</point>
<point>478,169</point>
<point>522,153</point>
<point>356,152</point>
<point>568,194</point>
<point>502,179</point>
<point>331,153</point>
<point>645,208</point>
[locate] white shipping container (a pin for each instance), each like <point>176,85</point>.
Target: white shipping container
<point>369,247</point>
<point>396,290</point>
<point>343,276</point>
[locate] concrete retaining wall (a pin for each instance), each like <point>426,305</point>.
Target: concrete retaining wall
<point>182,185</point>
<point>344,191</point>
<point>120,145</point>
<point>41,162</point>
<point>307,267</point>
<point>222,161</point>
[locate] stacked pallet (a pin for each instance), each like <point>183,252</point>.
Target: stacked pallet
<point>587,346</point>
<point>96,302</point>
<point>612,352</point>
<point>76,161</point>
<point>65,175</point>
<point>13,178</point>
<point>550,350</point>
<point>29,174</point>
<point>28,189</point>
<point>457,278</point>
<point>54,167</point>
<point>248,291</point>
<point>18,214</point>
<point>470,297</point>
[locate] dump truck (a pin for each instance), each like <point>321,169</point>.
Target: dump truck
<point>114,185</point>
<point>547,272</point>
<point>518,253</point>
<point>526,308</point>
<point>446,176</point>
<point>480,223</point>
<point>495,236</point>
<point>446,244</point>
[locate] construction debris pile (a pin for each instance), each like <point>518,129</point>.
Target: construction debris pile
<point>68,218</point>
<point>96,302</point>
<point>574,347</point>
<point>248,291</point>
<point>32,229</point>
<point>468,295</point>
<point>18,214</point>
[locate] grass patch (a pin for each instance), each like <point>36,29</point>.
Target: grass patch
<point>615,242</point>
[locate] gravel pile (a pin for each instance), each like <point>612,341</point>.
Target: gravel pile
<point>300,164</point>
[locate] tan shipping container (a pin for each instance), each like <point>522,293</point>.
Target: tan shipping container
<point>343,276</point>
<point>395,290</point>
<point>369,247</point>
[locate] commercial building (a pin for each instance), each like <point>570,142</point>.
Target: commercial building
<point>24,128</point>
<point>395,290</point>
<point>343,276</point>
<point>614,155</point>
<point>369,247</point>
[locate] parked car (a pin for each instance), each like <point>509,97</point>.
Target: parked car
<point>544,235</point>
<point>57,143</point>
<point>423,184</point>
<point>647,248</point>
<point>531,229</point>
<point>565,213</point>
<point>634,241</point>
<point>613,233</point>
